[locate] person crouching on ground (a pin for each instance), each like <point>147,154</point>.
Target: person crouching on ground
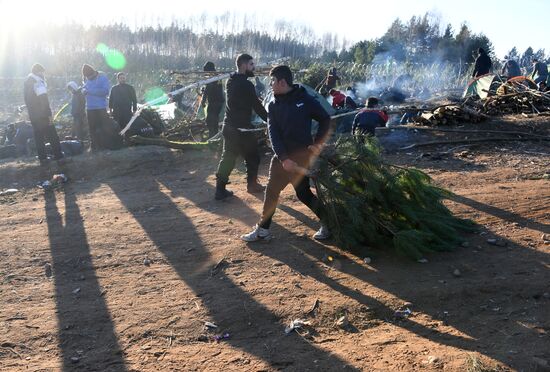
<point>289,126</point>
<point>369,118</point>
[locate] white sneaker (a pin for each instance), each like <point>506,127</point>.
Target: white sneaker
<point>259,233</point>
<point>322,234</point>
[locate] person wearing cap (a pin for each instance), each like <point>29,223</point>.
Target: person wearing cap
<point>96,89</point>
<point>483,63</point>
<point>510,69</point>
<point>238,139</point>
<point>78,111</point>
<point>122,101</point>
<point>540,71</point>
<point>35,93</point>
<point>177,98</point>
<point>332,78</point>
<point>369,118</point>
<point>213,100</point>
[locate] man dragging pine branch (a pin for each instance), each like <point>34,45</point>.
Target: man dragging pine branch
<point>289,126</point>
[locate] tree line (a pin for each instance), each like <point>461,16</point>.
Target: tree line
<point>180,46</point>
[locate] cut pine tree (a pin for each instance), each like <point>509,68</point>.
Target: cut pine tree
<point>371,203</point>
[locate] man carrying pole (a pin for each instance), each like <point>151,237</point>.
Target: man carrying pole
<point>241,100</point>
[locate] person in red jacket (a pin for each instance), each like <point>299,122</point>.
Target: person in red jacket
<point>369,118</point>
<point>338,98</point>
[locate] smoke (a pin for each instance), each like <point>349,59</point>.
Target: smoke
<point>414,80</point>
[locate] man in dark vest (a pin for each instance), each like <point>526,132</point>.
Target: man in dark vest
<point>238,140</point>
<point>40,114</point>
<point>122,101</point>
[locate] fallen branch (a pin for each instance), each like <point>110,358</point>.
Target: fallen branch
<point>473,140</point>
<point>477,131</point>
<point>138,140</point>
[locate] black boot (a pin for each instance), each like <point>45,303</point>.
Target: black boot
<point>221,192</point>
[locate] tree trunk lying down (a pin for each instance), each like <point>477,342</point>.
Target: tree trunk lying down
<point>159,141</point>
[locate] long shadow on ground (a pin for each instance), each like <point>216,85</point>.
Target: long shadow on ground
<point>493,327</point>
<point>86,332</point>
<point>228,304</point>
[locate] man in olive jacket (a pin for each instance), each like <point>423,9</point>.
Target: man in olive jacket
<point>241,100</point>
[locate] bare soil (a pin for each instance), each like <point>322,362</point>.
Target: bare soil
<point>142,256</point>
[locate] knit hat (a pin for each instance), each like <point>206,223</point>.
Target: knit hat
<point>37,68</point>
<point>73,85</point>
<point>209,66</point>
<point>87,70</point>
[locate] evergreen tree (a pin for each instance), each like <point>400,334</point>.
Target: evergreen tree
<point>371,203</point>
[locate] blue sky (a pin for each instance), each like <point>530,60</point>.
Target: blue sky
<point>506,23</point>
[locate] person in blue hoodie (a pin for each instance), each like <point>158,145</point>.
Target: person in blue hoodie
<point>96,89</point>
<point>289,125</point>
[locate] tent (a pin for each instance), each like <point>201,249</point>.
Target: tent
<point>312,92</point>
<point>518,83</point>
<point>481,86</point>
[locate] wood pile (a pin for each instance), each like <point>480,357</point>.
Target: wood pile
<point>449,115</point>
<point>521,101</point>
<point>525,102</point>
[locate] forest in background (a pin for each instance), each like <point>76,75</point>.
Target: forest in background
<point>149,53</point>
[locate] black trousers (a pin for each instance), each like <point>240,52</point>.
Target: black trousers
<point>237,144</point>
<point>96,121</point>
<point>45,132</point>
<point>79,127</point>
<point>212,118</point>
<point>278,180</point>
<point>122,117</point>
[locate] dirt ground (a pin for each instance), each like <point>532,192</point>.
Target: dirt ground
<point>141,257</point>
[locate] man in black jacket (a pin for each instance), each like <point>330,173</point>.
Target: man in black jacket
<point>241,100</point>
<point>483,64</point>
<point>510,69</point>
<point>212,98</point>
<point>40,114</point>
<point>289,126</point>
<point>122,101</point>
